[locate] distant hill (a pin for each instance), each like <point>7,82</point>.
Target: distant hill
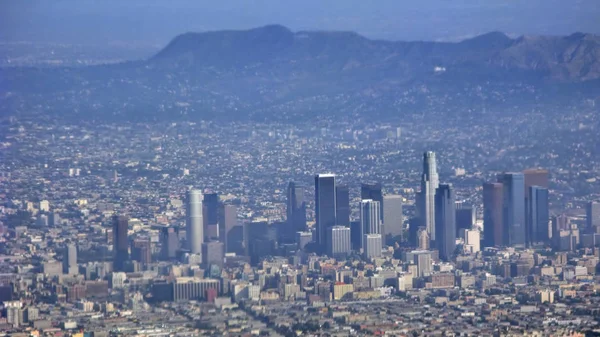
<point>571,58</point>
<point>272,72</point>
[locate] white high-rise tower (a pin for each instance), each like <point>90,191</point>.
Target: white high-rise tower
<point>370,219</point>
<point>426,198</point>
<point>194,222</point>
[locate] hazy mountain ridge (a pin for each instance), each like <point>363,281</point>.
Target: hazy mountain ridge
<point>272,72</point>
<point>570,58</point>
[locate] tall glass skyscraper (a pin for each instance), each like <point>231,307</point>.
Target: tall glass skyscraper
<point>342,201</point>
<point>538,215</point>
<point>325,206</point>
<point>120,241</point>
<point>493,224</point>
<point>370,218</point>
<point>373,191</point>
<point>295,209</point>
<point>392,215</point>
<point>426,197</point>
<point>445,221</point>
<point>514,208</point>
<point>194,223</point>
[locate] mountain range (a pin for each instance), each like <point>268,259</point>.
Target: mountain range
<point>272,71</point>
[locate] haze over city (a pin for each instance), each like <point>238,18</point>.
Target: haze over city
<point>278,168</point>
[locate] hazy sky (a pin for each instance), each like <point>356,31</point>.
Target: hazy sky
<point>156,22</point>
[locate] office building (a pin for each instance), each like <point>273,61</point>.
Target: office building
<point>295,208</point>
<point>472,241</point>
<point>592,213</point>
<point>538,215</point>
<point>392,216</point>
<point>120,242</point>
<point>356,235</point>
<point>338,245</point>
<point>213,254</point>
<point>210,216</point>
<point>373,191</point>
<point>423,239</point>
<point>141,251</point>
<point>303,238</point>
<point>190,288</point>
<point>493,230</point>
<point>370,217</point>
<point>422,259</point>
<point>372,246</point>
<point>227,225</point>
<point>445,217</point>
<point>325,206</point>
<point>70,266</point>
<point>194,222</point>
<point>513,203</point>
<point>465,217</point>
<point>169,242</point>
<point>536,177</point>
<point>342,202</point>
<point>426,197</point>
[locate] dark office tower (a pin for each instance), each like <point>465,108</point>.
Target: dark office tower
<point>295,209</point>
<point>513,204</point>
<point>445,218</point>
<point>227,223</point>
<point>370,219</point>
<point>373,192</point>
<point>342,200</point>
<point>493,223</point>
<point>592,216</point>
<point>70,266</point>
<point>211,216</point>
<point>169,242</point>
<point>325,206</point>
<point>465,218</point>
<point>426,197</point>
<point>141,251</point>
<point>120,242</point>
<point>392,215</point>
<point>536,177</point>
<point>538,215</point>
<point>356,235</point>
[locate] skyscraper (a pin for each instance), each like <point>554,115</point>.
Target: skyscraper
<point>370,218</point>
<point>392,215</point>
<point>536,177</point>
<point>141,251</point>
<point>210,216</point>
<point>465,217</point>
<point>374,192</point>
<point>212,254</point>
<point>194,223</point>
<point>325,206</point>
<point>120,241</point>
<point>227,223</point>
<point>514,208</point>
<point>493,224</point>
<point>445,221</point>
<point>342,200</point>
<point>426,200</point>
<point>169,242</point>
<point>296,209</point>
<point>538,215</point>
<point>70,260</point>
<point>592,215</point>
<point>338,245</point>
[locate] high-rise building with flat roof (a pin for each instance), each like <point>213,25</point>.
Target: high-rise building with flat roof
<point>227,225</point>
<point>514,208</point>
<point>295,208</point>
<point>592,213</point>
<point>493,223</point>
<point>373,191</point>
<point>325,206</point>
<point>372,245</point>
<point>342,200</point>
<point>445,218</point>
<point>339,242</point>
<point>210,216</point>
<point>370,217</point>
<point>392,215</point>
<point>70,266</point>
<point>538,215</point>
<point>120,241</point>
<point>194,222</point>
<point>426,197</point>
